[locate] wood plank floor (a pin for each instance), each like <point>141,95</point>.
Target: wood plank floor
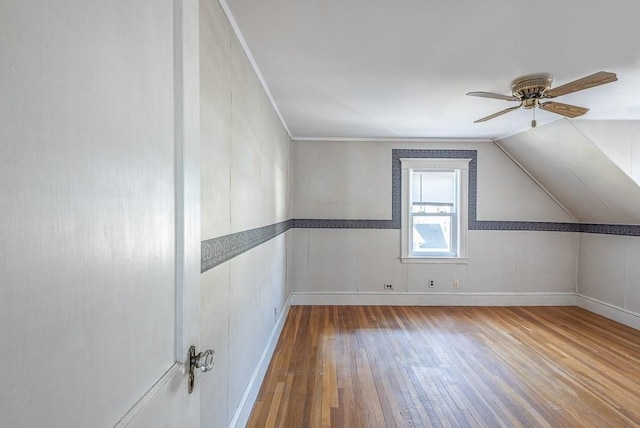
<point>380,366</point>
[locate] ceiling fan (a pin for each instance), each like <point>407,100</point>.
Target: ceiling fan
<point>529,90</point>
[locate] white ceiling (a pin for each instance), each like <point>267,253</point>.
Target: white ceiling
<point>401,68</point>
<point>577,172</point>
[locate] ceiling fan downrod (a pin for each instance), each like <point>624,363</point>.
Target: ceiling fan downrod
<point>533,122</point>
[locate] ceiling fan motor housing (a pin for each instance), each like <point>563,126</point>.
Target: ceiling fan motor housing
<point>531,87</point>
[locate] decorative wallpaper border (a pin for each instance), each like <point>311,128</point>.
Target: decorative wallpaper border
<point>537,226</point>
<point>218,250</point>
<point>609,229</point>
<point>303,223</point>
<point>396,175</point>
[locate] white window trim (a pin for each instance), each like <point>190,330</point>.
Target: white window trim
<point>434,163</point>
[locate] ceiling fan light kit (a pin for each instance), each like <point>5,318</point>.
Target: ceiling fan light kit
<point>530,89</point>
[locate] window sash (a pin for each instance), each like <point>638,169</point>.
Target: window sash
<point>452,238</point>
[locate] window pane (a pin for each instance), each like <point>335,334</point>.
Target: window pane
<point>433,186</point>
<point>432,234</point>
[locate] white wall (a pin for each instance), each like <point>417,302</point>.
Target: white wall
<point>87,215</point>
<point>609,273</point>
<point>341,180</point>
<point>245,185</point>
<point>609,276</point>
<point>609,269</point>
<point>506,193</point>
<point>353,180</point>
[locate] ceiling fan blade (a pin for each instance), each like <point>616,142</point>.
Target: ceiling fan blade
<point>596,79</point>
<point>564,109</point>
<point>500,113</point>
<point>492,95</point>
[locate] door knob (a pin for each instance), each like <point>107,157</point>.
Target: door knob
<point>202,361</point>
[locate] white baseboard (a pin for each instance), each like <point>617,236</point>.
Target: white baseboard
<point>434,299</point>
<point>607,310</point>
<point>241,416</point>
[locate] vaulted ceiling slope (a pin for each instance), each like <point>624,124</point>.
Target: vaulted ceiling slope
<point>590,168</point>
<point>401,69</point>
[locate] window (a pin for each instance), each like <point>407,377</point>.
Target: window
<point>434,210</point>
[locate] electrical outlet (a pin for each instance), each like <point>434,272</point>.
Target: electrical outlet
<point>275,315</point>
<point>431,283</point>
<point>456,283</point>
<point>388,286</point>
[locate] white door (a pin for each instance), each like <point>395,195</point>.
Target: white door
<point>99,212</point>
<point>174,401</point>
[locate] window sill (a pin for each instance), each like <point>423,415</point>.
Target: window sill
<point>436,260</point>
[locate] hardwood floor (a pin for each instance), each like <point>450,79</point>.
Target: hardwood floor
<point>382,366</point>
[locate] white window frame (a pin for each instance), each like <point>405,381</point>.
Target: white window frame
<point>434,164</point>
